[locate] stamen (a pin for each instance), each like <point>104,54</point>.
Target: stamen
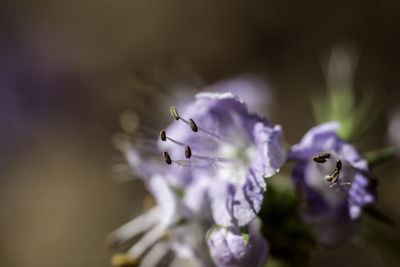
<point>321,157</point>
<point>124,260</point>
<point>148,240</point>
<point>134,227</point>
<point>163,135</point>
<point>155,255</point>
<point>195,128</point>
<point>212,159</point>
<point>188,163</point>
<point>193,125</point>
<point>174,113</point>
<point>188,152</point>
<point>181,163</point>
<point>340,185</point>
<point>335,176</point>
<point>167,158</point>
<point>149,202</point>
<point>336,173</point>
<point>176,142</point>
<point>338,165</point>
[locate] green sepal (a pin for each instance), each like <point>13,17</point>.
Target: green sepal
<point>245,234</point>
<point>211,230</point>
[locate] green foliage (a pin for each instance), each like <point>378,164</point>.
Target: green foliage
<point>290,241</point>
<point>381,236</point>
<point>339,105</point>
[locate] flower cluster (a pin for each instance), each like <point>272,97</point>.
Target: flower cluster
<point>208,170</point>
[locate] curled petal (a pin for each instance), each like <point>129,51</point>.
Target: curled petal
<point>271,147</point>
<point>236,206</point>
<point>228,248</point>
<point>319,138</point>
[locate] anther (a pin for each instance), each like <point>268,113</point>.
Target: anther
<point>335,176</point>
<point>167,158</point>
<point>163,135</point>
<point>338,165</point>
<point>123,260</point>
<point>328,178</point>
<point>193,125</point>
<point>321,158</point>
<point>174,113</point>
<point>188,152</point>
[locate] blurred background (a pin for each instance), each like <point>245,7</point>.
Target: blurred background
<point>65,72</point>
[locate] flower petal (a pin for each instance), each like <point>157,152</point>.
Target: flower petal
<point>271,147</point>
<point>236,206</point>
<point>228,247</point>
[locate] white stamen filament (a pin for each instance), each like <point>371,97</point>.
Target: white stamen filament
<point>136,226</point>
<point>212,159</point>
<point>155,255</point>
<point>209,159</point>
<point>175,142</point>
<point>208,133</point>
<point>189,163</point>
<point>149,238</point>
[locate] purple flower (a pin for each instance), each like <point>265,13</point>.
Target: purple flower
<point>138,140</point>
<point>332,178</point>
<point>223,154</point>
<point>251,88</point>
<point>209,166</point>
<point>163,232</point>
<point>229,247</point>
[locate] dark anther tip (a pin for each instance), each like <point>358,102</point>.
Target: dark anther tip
<point>319,160</point>
<point>163,135</point>
<point>321,157</point>
<point>193,125</point>
<point>324,155</point>
<point>167,158</point>
<point>188,152</point>
<point>338,164</point>
<point>175,113</point>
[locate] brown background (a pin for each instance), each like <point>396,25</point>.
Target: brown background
<point>64,71</point>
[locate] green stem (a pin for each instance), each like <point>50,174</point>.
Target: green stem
<point>376,157</point>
